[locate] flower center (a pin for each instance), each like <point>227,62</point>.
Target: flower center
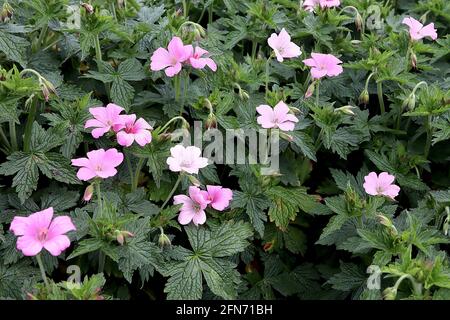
<point>196,207</point>
<point>379,190</point>
<point>42,234</point>
<point>129,128</point>
<point>98,168</point>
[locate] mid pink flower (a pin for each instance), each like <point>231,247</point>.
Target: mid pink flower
<point>278,117</point>
<point>106,118</point>
<point>417,31</point>
<point>134,131</point>
<point>170,59</point>
<point>193,207</point>
<point>219,197</point>
<point>38,231</point>
<point>283,46</point>
<point>99,163</point>
<point>186,159</point>
<point>323,65</point>
<point>196,59</point>
<point>381,185</point>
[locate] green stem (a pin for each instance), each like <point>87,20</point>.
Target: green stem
<point>254,49</point>
<point>380,96</point>
<point>177,86</point>
<point>210,12</point>
<point>268,74</point>
<point>112,8</point>
<point>171,192</point>
<point>429,137</point>
<point>98,51</point>
<point>101,261</point>
<point>4,138</point>
<point>185,88</point>
<point>29,126</point>
<point>170,121</point>
<point>13,136</point>
<point>137,173</point>
<point>130,171</point>
<point>42,269</point>
<point>42,36</point>
<point>317,93</point>
<point>99,198</point>
<point>185,8</point>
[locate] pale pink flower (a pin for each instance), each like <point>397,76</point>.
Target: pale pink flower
<point>134,131</point>
<point>170,59</point>
<point>193,207</point>
<point>219,197</point>
<point>106,118</point>
<point>278,117</point>
<point>417,31</point>
<point>381,185</point>
<point>323,65</point>
<point>186,159</point>
<point>88,193</point>
<point>99,163</point>
<point>329,3</point>
<point>196,59</point>
<point>283,46</point>
<point>309,5</point>
<point>38,231</point>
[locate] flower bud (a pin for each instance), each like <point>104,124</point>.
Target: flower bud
<point>409,102</point>
<point>364,97</point>
<point>88,7</point>
<point>121,236</point>
<point>211,122</point>
<point>309,92</point>
<point>414,60</point>
<point>268,245</point>
<point>165,136</point>
<point>295,110</point>
<point>47,88</point>
<point>346,110</point>
<point>355,42</point>
<point>6,13</point>
<point>87,196</point>
<point>286,136</point>
<point>385,221</point>
<point>244,95</point>
<point>194,180</point>
<point>358,22</point>
<point>390,293</point>
<point>164,240</point>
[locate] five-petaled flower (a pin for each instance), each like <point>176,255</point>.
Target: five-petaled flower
<point>381,185</point>
<point>219,197</point>
<point>278,117</point>
<point>418,31</point>
<point>105,119</point>
<point>193,207</point>
<point>309,5</point>
<point>170,59</point>
<point>323,65</point>
<point>38,231</point>
<point>283,46</point>
<point>186,159</point>
<point>99,163</point>
<point>197,59</point>
<point>134,130</point>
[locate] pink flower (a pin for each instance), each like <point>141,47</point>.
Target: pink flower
<point>323,65</point>
<point>106,118</point>
<point>381,185</point>
<point>99,163</point>
<point>417,31</point>
<point>38,231</point>
<point>309,5</point>
<point>134,130</point>
<point>193,207</point>
<point>170,59</point>
<point>186,159</point>
<point>219,197</point>
<point>282,46</point>
<point>196,60</point>
<point>279,117</point>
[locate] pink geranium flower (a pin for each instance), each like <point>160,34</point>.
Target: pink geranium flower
<point>381,185</point>
<point>417,31</point>
<point>134,131</point>
<point>38,231</point>
<point>278,117</point>
<point>171,58</point>
<point>323,65</point>
<point>196,59</point>
<point>219,197</point>
<point>106,118</point>
<point>186,159</point>
<point>193,207</point>
<point>282,46</point>
<point>99,163</point>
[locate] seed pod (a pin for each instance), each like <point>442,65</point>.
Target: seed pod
<point>364,97</point>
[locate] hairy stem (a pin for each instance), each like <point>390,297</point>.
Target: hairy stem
<point>429,130</point>
<point>13,136</point>
<point>29,126</point>
<point>137,173</point>
<point>42,269</point>
<point>99,198</point>
<point>380,97</point>
<point>171,192</point>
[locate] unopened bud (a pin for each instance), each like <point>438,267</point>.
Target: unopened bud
<point>364,97</point>
<point>88,193</point>
<point>358,22</point>
<point>309,92</point>
<point>295,110</point>
<point>165,136</point>
<point>243,95</point>
<point>211,122</point>
<point>355,42</point>
<point>164,240</point>
<point>121,236</point>
<point>286,136</point>
<point>268,245</point>
<point>385,221</point>
<point>414,60</point>
<point>390,293</point>
<point>6,13</point>
<point>409,102</point>
<point>346,110</point>
<point>88,7</point>
<point>47,88</point>
<point>194,180</point>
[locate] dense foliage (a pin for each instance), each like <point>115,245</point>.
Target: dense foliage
<point>312,231</point>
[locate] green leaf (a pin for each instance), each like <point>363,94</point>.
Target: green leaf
<point>305,143</point>
<point>14,47</point>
